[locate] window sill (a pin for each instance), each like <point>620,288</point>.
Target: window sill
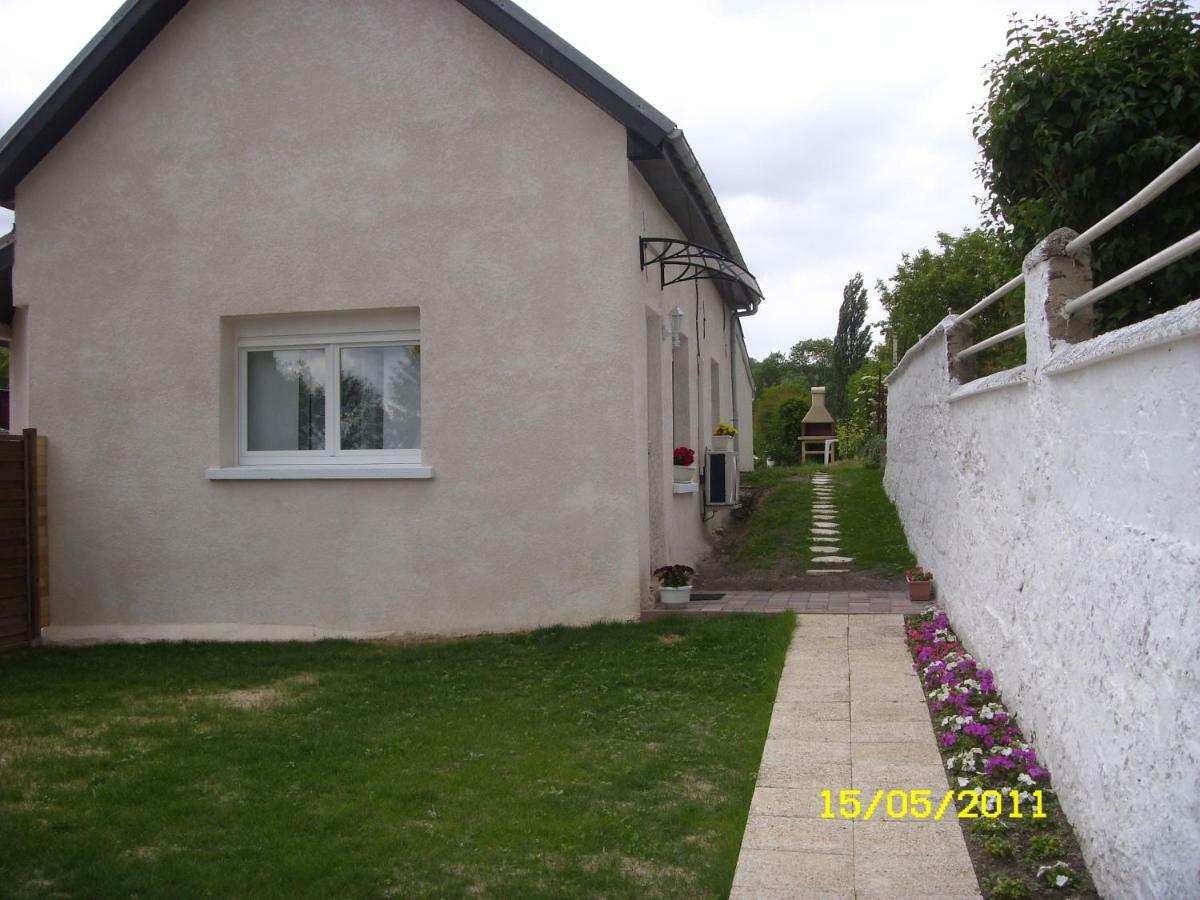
<point>689,488</point>
<point>309,473</point>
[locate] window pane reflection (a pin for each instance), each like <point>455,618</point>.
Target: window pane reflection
<point>381,398</point>
<point>285,399</point>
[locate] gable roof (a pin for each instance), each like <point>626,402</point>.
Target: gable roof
<point>656,146</point>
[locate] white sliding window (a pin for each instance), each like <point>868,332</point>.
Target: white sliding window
<point>337,399</point>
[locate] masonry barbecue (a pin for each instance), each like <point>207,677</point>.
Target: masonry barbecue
<point>816,428</point>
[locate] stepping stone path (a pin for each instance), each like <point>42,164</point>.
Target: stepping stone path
<point>825,533</point>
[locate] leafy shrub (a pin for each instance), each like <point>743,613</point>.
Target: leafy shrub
<point>1045,846</point>
<point>987,827</point>
<point>1059,875</point>
<point>1009,889</point>
<point>873,451</point>
<point>998,847</point>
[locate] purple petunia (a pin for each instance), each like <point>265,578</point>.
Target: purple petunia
<point>967,708</point>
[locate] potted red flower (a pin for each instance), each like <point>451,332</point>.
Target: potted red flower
<point>920,585</point>
<point>685,472</point>
<point>674,585</point>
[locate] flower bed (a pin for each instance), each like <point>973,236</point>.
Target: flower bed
<point>985,754</point>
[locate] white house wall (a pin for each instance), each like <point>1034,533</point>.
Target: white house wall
<point>357,156</point>
<point>706,327</point>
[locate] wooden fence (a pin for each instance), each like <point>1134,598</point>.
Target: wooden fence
<point>23,561</point>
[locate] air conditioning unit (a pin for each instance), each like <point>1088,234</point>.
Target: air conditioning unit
<point>721,478</point>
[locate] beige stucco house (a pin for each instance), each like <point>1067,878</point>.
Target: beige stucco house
<point>339,320</point>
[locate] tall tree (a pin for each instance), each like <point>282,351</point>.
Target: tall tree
<point>773,369</point>
<point>811,361</point>
<point>1083,113</point>
<point>955,274</point>
<point>777,414</point>
<point>850,345</point>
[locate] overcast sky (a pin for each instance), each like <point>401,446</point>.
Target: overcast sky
<point>836,135</point>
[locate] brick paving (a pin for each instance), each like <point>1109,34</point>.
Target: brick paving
<point>849,714</point>
<point>838,602</point>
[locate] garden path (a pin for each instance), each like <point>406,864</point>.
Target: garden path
<point>849,714</point>
<point>825,533</point>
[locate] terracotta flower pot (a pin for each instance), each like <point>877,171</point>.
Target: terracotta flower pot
<point>919,591</point>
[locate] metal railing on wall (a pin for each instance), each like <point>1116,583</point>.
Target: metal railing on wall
<point>1177,251</point>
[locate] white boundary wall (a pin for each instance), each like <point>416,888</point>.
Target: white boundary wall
<point>1059,507</point>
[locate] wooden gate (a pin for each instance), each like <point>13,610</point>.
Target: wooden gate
<point>22,515</point>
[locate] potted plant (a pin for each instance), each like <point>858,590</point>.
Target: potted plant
<point>685,472</point>
<point>723,436</point>
<point>920,585</point>
<point>674,585</point>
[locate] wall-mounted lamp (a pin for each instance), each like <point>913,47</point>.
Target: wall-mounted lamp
<point>677,315</point>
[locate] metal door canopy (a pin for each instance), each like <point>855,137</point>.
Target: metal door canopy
<point>680,261</point>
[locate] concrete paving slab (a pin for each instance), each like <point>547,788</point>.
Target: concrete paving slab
<point>819,752</point>
<point>890,732</point>
<point>883,667</point>
<point>887,711</point>
<point>802,774</point>
<point>810,710</point>
<point>815,641</point>
<point>773,801</point>
<point>799,835</point>
<point>894,837</point>
<point>911,877</point>
<point>824,691</point>
<point>898,690</point>
<point>828,624</point>
<point>872,777</point>
<point>889,626</point>
<point>771,874</point>
<point>920,753</point>
<point>802,667</point>
<point>813,732</point>
<point>882,661</point>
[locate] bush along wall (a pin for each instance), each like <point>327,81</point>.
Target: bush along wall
<point>1018,836</point>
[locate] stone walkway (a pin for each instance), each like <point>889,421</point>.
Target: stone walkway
<point>849,714</point>
<point>825,533</point>
<point>842,602</point>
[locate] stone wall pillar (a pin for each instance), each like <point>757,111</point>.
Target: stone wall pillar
<point>1053,277</point>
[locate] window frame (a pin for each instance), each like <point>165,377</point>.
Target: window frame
<point>331,343</point>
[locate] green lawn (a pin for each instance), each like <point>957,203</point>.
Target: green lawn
<point>777,533</point>
<point>613,761</point>
<point>778,529</point>
<point>871,529</point>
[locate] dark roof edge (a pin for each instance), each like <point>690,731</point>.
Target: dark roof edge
<point>8,243</point>
<point>78,86</point>
<point>573,67</point>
